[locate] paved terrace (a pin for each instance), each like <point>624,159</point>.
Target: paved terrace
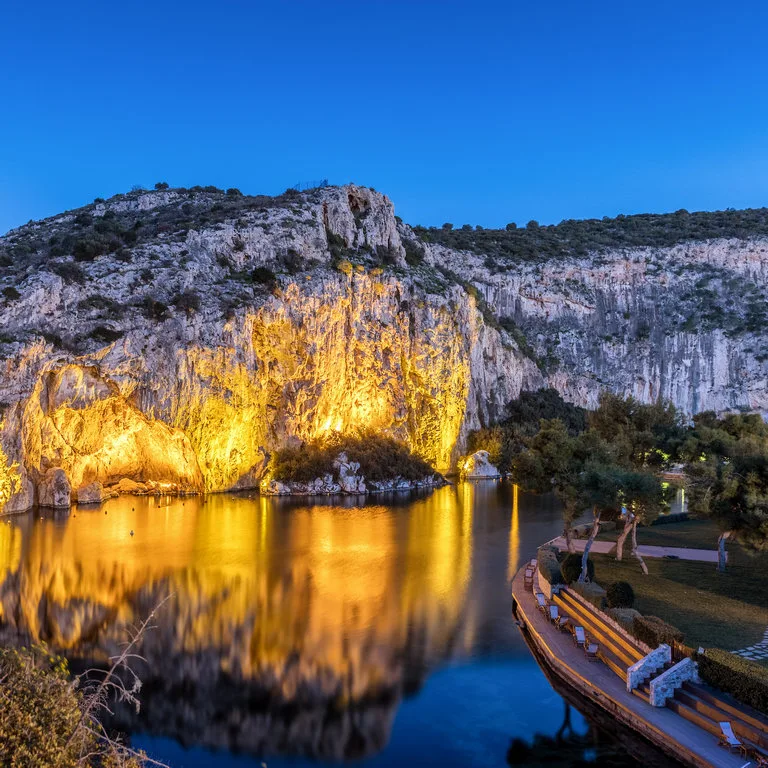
<point>684,740</point>
<point>606,547</point>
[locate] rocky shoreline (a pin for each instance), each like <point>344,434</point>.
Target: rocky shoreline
<point>346,480</point>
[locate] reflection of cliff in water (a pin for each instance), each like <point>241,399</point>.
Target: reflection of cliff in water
<point>288,630</point>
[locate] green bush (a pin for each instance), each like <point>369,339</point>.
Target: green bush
<point>571,567</point>
<point>623,616</point>
<point>263,276</point>
<point>380,458</point>
<point>653,631</point>
<point>620,595</point>
<point>591,592</point>
<point>44,719</point>
<point>11,294</point>
<point>68,271</point>
<point>187,302</point>
<point>104,334</point>
<point>746,680</point>
<point>549,566</point>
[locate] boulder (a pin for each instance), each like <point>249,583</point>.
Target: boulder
<point>93,493</point>
<point>349,479</point>
<point>478,466</point>
<point>54,490</point>
<point>128,486</point>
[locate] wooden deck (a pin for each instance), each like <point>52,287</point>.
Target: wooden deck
<point>671,733</point>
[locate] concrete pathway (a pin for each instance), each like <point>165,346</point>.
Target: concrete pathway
<point>606,547</point>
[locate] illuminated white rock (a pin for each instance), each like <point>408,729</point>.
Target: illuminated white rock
<point>478,466</point>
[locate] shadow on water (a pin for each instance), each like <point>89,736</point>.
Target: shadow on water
<point>319,629</point>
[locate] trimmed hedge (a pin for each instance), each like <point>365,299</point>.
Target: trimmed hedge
<point>653,631</point>
<point>620,595</point>
<point>623,616</point>
<point>571,567</point>
<point>743,679</point>
<point>591,592</point>
<point>549,566</point>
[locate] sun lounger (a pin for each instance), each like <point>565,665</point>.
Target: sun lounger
<point>563,623</point>
<point>591,651</point>
<point>728,738</point>
<point>541,602</point>
<point>554,613</point>
<point>533,563</point>
<point>579,637</point>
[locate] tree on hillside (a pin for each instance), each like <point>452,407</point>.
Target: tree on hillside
<point>727,478</point>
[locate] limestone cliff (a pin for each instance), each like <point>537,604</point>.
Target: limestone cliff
<point>178,336</point>
<point>230,326</point>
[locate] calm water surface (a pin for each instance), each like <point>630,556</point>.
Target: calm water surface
<point>306,633</point>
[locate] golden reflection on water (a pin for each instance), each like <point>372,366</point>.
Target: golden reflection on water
<point>323,608</point>
<point>514,535</point>
<point>248,577</point>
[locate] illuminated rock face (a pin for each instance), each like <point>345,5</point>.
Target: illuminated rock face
<point>240,331</point>
<point>198,401</point>
<point>79,429</point>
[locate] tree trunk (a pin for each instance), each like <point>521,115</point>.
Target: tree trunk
<point>585,557</point>
<point>643,566</point>
<point>622,538</point>
<point>567,537</point>
<point>721,539</point>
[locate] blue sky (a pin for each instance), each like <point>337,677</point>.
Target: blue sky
<point>469,112</point>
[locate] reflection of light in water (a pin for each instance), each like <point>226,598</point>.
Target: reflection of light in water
<point>327,582</point>
<point>10,548</point>
<point>514,535</point>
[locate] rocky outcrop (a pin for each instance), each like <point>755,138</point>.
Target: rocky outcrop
<point>477,466</point>
<point>54,489</point>
<point>175,338</point>
<point>92,493</point>
<point>194,399</point>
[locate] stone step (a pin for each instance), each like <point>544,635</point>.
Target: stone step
<point>741,728</point>
<point>729,705</point>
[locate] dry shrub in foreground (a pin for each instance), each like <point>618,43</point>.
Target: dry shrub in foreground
<point>50,720</point>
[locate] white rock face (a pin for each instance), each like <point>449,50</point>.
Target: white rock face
<point>215,330</point>
<point>54,489</point>
<point>478,466</point>
<point>349,479</point>
<point>93,493</point>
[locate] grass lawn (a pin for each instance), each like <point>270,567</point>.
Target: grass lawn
<point>727,610</point>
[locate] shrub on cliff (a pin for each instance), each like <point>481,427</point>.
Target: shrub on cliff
<point>380,458</point>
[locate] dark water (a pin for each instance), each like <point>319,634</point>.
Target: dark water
<point>298,634</point>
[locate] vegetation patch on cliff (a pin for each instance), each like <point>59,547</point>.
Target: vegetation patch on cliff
<point>379,457</point>
<point>573,237</point>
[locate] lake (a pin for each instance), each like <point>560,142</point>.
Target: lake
<point>309,632</point>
